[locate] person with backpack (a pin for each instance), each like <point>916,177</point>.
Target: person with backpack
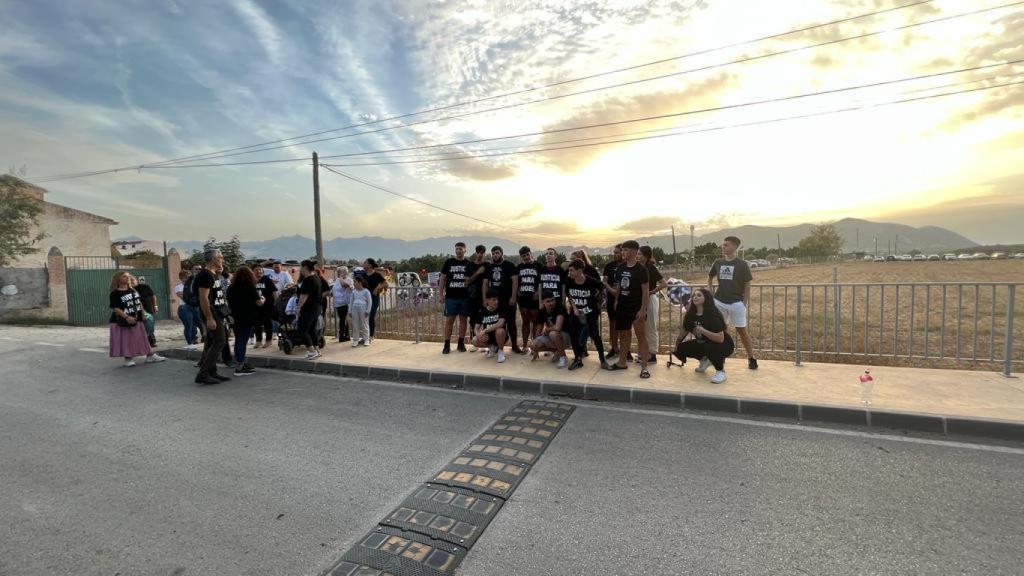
<point>710,343</point>
<point>187,323</point>
<point>190,297</point>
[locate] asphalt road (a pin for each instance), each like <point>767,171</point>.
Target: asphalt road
<point>107,470</point>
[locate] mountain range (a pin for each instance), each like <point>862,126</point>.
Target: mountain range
<point>857,235</point>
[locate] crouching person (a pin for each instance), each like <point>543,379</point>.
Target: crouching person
<point>551,334</point>
<point>490,332</point>
<point>709,343</point>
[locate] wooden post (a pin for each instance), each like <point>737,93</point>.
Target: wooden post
<point>316,210</point>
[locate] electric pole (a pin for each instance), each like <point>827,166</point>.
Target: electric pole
<point>316,210</point>
<point>675,257</point>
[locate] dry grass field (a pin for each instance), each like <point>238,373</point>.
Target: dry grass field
<point>886,314</point>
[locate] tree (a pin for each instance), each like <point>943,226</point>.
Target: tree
<point>824,240</point>
<point>19,215</point>
<point>231,249</point>
<point>659,254</point>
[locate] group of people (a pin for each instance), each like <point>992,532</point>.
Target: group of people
<point>560,307</point>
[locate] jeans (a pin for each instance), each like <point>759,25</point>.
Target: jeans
<point>188,322</point>
<point>375,304</point>
<point>213,344</point>
<point>242,334</point>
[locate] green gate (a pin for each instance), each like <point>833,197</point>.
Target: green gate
<point>88,281</point>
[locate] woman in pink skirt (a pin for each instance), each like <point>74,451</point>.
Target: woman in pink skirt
<point>128,337</point>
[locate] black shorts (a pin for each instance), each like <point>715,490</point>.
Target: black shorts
<point>625,317</point>
<point>528,302</point>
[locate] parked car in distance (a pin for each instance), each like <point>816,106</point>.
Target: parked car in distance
<point>869,258</point>
<point>879,259</point>
<point>998,256</point>
<point>979,256</point>
<point>965,257</point>
<point>919,257</point>
<point>905,258</point>
<point>1019,255</point>
<point>785,260</point>
<point>934,257</point>
<point>949,256</point>
<point>890,258</point>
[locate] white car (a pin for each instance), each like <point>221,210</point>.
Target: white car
<point>965,257</point>
<point>934,257</point>
<point>998,256</point>
<point>919,257</point>
<point>949,256</point>
<point>905,258</point>
<point>1019,255</point>
<point>879,259</point>
<point>979,256</point>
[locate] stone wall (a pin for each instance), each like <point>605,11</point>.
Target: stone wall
<point>42,292</point>
<point>74,232</point>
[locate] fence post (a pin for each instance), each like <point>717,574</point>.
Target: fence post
<point>1008,344</point>
<point>837,308</point>
<point>799,308</point>
<point>416,316</point>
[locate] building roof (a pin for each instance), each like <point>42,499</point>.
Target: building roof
<point>75,213</point>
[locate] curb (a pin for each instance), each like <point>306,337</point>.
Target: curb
<point>794,411</point>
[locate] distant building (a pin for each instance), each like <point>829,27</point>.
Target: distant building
<point>129,247</point>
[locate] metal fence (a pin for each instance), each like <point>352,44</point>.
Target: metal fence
<point>949,324</point>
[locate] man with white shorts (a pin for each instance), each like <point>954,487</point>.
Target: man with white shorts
<point>733,292</point>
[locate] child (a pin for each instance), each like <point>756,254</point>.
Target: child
<point>359,311</point>
<point>490,332</point>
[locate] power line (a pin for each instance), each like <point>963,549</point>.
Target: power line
<point>434,206</point>
<point>627,83</point>
<point>214,155</point>
<point>713,129</point>
<point>559,83</point>
<point>628,121</point>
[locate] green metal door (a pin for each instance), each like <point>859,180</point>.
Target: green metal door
<point>89,289</point>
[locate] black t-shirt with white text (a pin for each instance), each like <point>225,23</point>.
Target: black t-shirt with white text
<point>475,288</point>
<point>733,277</point>
<point>215,283</point>
<point>585,295</point>
<point>127,301</point>
<point>456,272</point>
<point>552,279</point>
<point>549,319</point>
<point>529,279</point>
<point>489,318</point>
<point>709,320</point>
<point>267,288</point>
<point>500,276</point>
<point>146,294</point>
<point>630,281</point>
<point>609,277</point>
<point>311,287</point>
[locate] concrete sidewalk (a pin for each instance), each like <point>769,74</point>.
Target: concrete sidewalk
<point>941,401</point>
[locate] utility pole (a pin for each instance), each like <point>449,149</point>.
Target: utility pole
<point>316,210</point>
<point>876,245</point>
<point>778,238</point>
<point>675,254</point>
<point>896,244</point>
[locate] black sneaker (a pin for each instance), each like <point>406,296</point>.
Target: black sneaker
<point>245,370</point>
<point>629,357</point>
<point>517,350</point>
<point>577,363</point>
<point>652,358</point>
<point>613,353</point>
<point>221,378</point>
<point>447,348</point>
<point>461,347</point>
<point>752,363</point>
<point>229,364</point>
<point>204,379</point>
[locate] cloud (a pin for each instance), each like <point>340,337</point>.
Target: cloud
<point>478,170</point>
<point>262,27</point>
<point>529,212</point>
<point>555,228</point>
<point>650,224</point>
<point>695,95</point>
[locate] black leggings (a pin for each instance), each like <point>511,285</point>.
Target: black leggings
<point>264,325</point>
<point>714,351</point>
<point>307,333</point>
<point>509,314</point>
<point>342,312</point>
<point>580,331</point>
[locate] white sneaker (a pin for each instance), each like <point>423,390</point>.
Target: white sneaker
<point>367,342</point>
<point>310,355</point>
<point>501,356</point>
<point>129,363</point>
<point>561,362</point>
<point>154,358</point>
<point>704,363</point>
<point>490,353</point>
<point>191,347</point>
<point>719,377</point>
<point>355,343</point>
<point>473,348</point>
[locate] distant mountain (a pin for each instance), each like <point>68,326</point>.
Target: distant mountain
<point>857,235</point>
<point>928,239</point>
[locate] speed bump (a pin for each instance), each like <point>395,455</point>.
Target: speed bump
<point>431,531</point>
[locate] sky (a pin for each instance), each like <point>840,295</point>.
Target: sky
<point>97,85</point>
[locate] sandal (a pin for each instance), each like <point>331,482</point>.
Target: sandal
<point>616,367</point>
<point>645,373</point>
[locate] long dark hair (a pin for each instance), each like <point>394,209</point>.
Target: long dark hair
<point>244,278</point>
<point>709,307</point>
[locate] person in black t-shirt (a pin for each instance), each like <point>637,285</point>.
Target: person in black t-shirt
<point>245,300</point>
<point>309,294</point>
<point>631,293</point>
<point>588,266</point>
<point>733,292</point>
<point>609,278</point>
<point>710,343</point>
<point>265,314</point>
<point>551,333</point>
<point>502,275</point>
<point>454,296</point>
<point>657,284</point>
<point>552,277</point>
<point>127,334</point>
<point>214,310</point>
<point>376,284</point>
<point>491,332</point>
<point>584,295</point>
<point>529,287</point>
<point>475,287</point>
<point>149,305</point>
